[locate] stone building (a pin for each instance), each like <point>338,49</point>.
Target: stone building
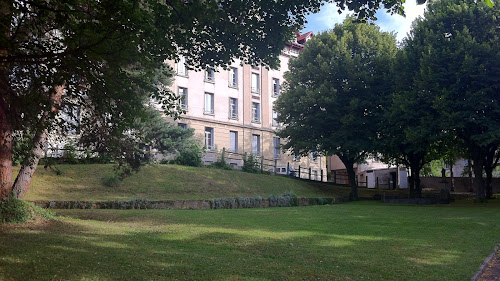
<point>232,110</point>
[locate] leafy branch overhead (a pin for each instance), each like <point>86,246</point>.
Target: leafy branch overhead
<point>105,56</point>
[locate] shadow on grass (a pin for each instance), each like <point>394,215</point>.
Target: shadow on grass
<point>327,243</point>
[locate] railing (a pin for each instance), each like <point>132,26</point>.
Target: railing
<point>271,166</point>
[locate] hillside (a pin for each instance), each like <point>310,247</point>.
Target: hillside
<point>84,182</point>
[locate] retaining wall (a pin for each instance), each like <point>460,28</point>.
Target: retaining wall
<point>220,203</point>
<point>461,183</point>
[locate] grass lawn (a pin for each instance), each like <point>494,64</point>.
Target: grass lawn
<point>84,182</point>
<point>352,241</point>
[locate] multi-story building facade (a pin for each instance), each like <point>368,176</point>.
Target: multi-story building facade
<point>233,110</point>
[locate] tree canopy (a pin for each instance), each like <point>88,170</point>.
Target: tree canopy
<point>409,131</point>
<point>108,57</point>
<point>334,92</point>
<point>457,65</point>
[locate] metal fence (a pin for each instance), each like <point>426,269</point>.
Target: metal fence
<point>269,165</point>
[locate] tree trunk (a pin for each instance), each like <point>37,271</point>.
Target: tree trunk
<point>5,123</point>
<point>27,170</point>
<point>487,183</point>
<point>351,176</point>
<point>490,163</point>
<point>415,189</point>
<point>23,179</point>
<point>415,166</point>
<point>411,184</point>
<point>452,187</point>
<point>471,186</point>
<point>5,155</point>
<point>478,159</point>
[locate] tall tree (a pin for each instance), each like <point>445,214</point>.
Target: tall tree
<point>334,91</point>
<point>408,132</point>
<point>490,163</point>
<point>459,68</point>
<point>104,55</point>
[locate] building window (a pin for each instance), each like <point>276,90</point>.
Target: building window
<point>181,67</point>
<point>277,147</point>
<point>183,125</point>
<point>256,144</point>
<point>275,116</point>
<point>276,87</point>
<point>209,138</point>
<point>209,103</point>
<point>183,94</point>
<point>233,108</point>
<point>233,141</point>
<point>255,112</point>
<point>210,75</point>
<point>233,77</point>
<point>255,83</point>
<point>314,156</point>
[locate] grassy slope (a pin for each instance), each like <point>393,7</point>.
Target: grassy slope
<point>83,182</point>
<point>352,241</point>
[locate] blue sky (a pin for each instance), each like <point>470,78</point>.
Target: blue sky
<point>328,17</point>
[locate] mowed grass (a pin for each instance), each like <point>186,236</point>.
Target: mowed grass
<point>84,182</point>
<point>351,241</point>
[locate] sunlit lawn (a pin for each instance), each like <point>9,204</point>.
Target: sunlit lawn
<point>352,241</point>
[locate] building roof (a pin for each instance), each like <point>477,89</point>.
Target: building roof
<point>302,38</point>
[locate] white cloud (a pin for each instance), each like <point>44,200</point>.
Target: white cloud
<point>399,24</point>
<point>328,17</point>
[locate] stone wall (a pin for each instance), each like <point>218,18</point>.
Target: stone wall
<point>461,183</point>
<point>220,203</point>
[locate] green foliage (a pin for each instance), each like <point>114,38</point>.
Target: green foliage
<point>16,210</point>
<point>70,155</point>
<point>432,169</point>
<point>251,165</point>
<point>112,180</point>
<point>221,162</point>
<point>334,93</point>
<point>456,65</point>
<point>221,203</point>
<point>251,202</point>
<point>293,197</point>
<point>190,154</point>
<point>166,161</point>
<point>286,200</point>
<point>110,71</point>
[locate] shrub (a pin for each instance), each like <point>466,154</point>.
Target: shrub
<point>221,203</point>
<point>254,202</point>
<point>288,199</point>
<point>190,155</point>
<point>250,165</point>
<point>294,200</point>
<point>70,156</point>
<point>16,210</point>
<point>112,180</point>
<point>221,162</point>
<point>166,161</point>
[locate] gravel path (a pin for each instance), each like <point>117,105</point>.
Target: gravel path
<point>492,271</point>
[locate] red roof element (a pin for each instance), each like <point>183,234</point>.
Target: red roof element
<point>301,38</point>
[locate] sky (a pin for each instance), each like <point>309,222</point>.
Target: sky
<point>328,17</point>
